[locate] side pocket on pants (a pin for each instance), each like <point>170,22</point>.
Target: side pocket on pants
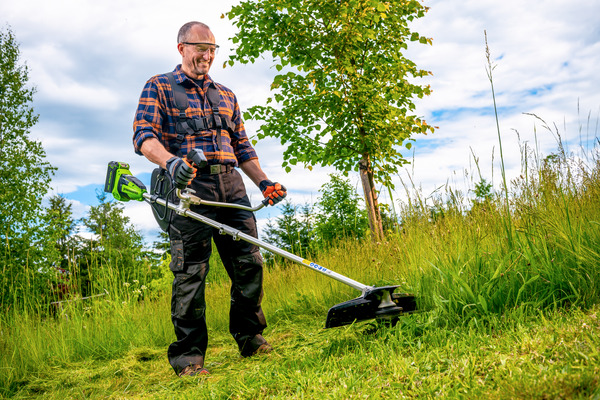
<point>188,301</point>
<point>252,258</point>
<point>176,256</point>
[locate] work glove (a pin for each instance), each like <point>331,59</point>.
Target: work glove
<point>275,192</point>
<point>181,171</point>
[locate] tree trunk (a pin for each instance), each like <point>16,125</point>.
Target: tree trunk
<point>366,177</point>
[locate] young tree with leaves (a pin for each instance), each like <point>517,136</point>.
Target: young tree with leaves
<point>304,229</point>
<point>24,174</point>
<point>344,87</point>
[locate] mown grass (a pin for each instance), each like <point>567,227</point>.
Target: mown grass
<point>509,301</point>
<point>554,354</point>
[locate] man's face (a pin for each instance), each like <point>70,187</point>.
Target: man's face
<point>196,62</point>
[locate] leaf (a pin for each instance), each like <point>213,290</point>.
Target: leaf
<point>483,303</point>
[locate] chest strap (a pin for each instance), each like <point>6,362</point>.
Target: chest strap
<point>191,126</point>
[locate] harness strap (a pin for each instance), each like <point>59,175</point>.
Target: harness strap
<point>190,126</point>
<point>215,101</point>
<point>181,102</point>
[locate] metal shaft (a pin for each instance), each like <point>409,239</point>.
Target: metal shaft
<point>183,209</point>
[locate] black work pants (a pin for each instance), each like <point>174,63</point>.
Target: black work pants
<point>190,252</point>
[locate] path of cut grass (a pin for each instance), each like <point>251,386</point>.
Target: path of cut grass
<point>556,355</point>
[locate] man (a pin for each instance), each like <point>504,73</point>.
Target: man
<point>165,134</point>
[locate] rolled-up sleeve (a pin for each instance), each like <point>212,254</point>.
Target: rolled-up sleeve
<point>148,120</point>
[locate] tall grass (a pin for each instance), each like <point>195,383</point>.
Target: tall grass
<point>472,266</point>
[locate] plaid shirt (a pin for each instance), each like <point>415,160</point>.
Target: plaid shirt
<point>156,117</point>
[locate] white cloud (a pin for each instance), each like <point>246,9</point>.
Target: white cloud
<point>544,55</point>
<point>140,214</point>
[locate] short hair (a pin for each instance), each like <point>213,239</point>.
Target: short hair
<point>185,30</point>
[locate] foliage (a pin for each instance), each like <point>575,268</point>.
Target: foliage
<point>488,309</point>
<point>42,260</point>
<point>116,250</point>
<point>162,279</point>
<point>339,214</point>
<point>163,244</point>
<point>483,191</point>
<point>58,241</point>
<point>389,219</point>
<point>24,177</point>
<point>344,86</point>
<point>97,357</point>
<point>550,261</point>
<point>304,230</point>
<point>507,222</point>
<point>293,231</point>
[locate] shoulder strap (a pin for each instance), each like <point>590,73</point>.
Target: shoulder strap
<point>179,95</point>
<point>214,98</point>
<point>182,104</point>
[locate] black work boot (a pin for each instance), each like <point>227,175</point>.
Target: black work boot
<point>256,345</point>
<point>193,370</point>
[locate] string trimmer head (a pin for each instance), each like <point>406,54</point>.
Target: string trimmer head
<point>380,303</point>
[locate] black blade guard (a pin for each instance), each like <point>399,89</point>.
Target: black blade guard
<point>375,303</point>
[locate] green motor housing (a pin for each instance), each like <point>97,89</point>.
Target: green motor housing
<point>122,184</point>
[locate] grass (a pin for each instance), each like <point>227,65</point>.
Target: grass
<point>509,307</point>
<point>107,349</point>
<point>501,318</point>
<point>554,354</point>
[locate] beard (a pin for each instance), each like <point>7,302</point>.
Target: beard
<point>199,67</point>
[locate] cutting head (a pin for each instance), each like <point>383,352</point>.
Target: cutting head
<point>376,303</point>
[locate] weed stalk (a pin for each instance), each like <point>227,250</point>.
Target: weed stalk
<point>508,221</point>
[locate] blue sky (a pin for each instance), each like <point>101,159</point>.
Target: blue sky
<point>89,61</point>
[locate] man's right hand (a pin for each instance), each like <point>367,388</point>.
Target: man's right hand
<point>181,171</point>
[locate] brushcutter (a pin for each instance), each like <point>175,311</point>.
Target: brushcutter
<point>380,303</point>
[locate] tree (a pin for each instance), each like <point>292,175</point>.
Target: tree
<point>116,251</point>
<point>24,174</point>
<point>162,245</point>
<point>302,230</point>
<point>343,84</point>
<point>340,215</point>
<point>293,230</point>
<point>60,226</point>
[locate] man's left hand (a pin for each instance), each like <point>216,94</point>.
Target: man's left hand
<point>275,192</point>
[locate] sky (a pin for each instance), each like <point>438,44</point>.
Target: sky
<point>89,61</point>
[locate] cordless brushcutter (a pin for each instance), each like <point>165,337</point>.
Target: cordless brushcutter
<point>380,303</point>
